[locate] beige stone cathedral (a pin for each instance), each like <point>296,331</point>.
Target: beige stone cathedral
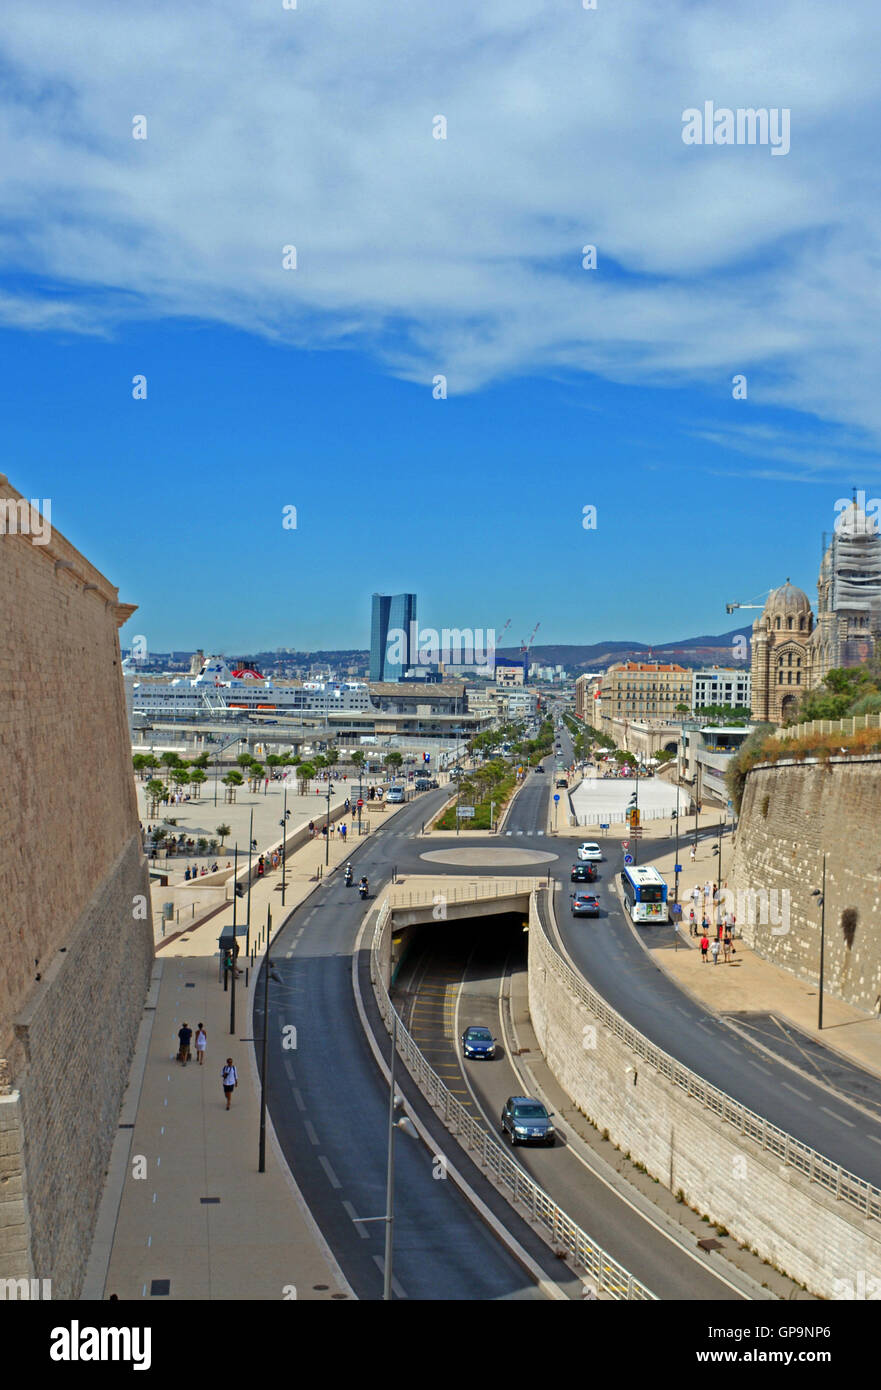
<point>791,652</point>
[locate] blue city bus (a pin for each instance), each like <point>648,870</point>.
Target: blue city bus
<point>645,893</point>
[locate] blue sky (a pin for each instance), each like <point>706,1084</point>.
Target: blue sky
<point>313,388</point>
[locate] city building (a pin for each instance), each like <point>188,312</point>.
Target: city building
<point>392,622</point>
<point>587,697</point>
<point>510,673</point>
<point>705,757</point>
<point>848,627</point>
<point>720,685</point>
<point>645,690</point>
<point>781,655</point>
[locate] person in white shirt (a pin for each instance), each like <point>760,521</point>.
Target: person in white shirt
<point>230,1080</point>
<point>201,1042</point>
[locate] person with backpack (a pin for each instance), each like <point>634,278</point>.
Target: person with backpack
<point>230,1079</point>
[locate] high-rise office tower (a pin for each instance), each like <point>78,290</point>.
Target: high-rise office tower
<point>392,626</point>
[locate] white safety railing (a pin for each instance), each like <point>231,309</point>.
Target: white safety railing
<point>468,892</point>
<point>607,1275</point>
<point>618,817</point>
<point>842,1184</point>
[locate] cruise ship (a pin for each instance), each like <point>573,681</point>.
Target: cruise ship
<point>219,690</point>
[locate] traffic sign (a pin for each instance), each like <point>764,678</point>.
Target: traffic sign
<point>677,868</point>
<point>604,826</point>
<point>556,796</point>
<point>360,802</point>
<point>628,859</point>
<point>465,812</point>
<point>625,844</point>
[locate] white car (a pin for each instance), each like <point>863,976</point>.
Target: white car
<point>589,850</point>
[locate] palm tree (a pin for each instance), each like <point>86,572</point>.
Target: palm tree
<point>222,830</point>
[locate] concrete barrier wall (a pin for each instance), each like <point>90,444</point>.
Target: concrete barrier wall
<point>791,1222</point>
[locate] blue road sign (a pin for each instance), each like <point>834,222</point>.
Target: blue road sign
<point>628,859</point>
<point>604,827</point>
<point>556,797</point>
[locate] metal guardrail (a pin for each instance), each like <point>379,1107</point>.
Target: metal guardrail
<point>842,1184</point>
<point>618,817</point>
<point>608,1276</point>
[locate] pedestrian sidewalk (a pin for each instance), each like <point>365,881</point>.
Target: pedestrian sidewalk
<point>184,1202</point>
<point>749,983</point>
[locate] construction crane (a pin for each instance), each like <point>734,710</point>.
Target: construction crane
<point>730,607</point>
<point>524,646</point>
<point>502,633</point>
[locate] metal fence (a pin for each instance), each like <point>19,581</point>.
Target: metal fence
<point>830,726</point>
<point>607,1275</point>
<point>843,1185</point>
<point>618,817</point>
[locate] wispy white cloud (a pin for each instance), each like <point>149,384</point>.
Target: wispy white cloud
<point>314,127</point>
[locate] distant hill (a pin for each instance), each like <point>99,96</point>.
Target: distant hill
<point>706,650</point>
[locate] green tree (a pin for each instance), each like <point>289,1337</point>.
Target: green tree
<point>232,781</point>
<point>245,760</point>
<point>197,777</point>
<point>170,760</point>
<point>256,773</point>
<point>222,831</point>
<point>393,760</point>
<point>305,773</point>
<point>358,758</point>
<point>180,777</point>
<point>156,791</point>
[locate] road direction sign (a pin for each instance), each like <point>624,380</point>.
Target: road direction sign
<point>628,859</point>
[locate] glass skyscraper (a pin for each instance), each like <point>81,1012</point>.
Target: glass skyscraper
<point>390,623</point>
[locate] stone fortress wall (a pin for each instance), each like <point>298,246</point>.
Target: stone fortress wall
<point>791,813</point>
<point>76,951</point>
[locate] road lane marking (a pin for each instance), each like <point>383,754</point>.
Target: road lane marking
<point>331,1175</point>
<point>795,1090</point>
<point>347,1206</point>
<point>850,1124</point>
<point>396,1288</point>
<point>298,1097</point>
<point>310,1130</point>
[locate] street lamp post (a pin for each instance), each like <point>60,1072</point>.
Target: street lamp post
<point>251,843</point>
<point>264,1079</point>
<point>284,836</point>
<point>820,895</point>
<point>676,852</point>
<point>327,826</point>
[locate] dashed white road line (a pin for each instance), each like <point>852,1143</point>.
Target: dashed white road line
<point>310,1130</point>
<point>331,1175</point>
<point>850,1123</point>
<point>795,1090</point>
<point>364,1234</point>
<point>298,1098</point>
<point>289,1068</point>
<point>396,1288</point>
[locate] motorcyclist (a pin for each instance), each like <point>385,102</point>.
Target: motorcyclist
<point>362,886</point>
<point>348,874</point>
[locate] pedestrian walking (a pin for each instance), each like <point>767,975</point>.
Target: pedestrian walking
<point>726,946</point>
<point>261,867</point>
<point>692,925</point>
<point>714,951</point>
<point>311,829</point>
<point>705,946</point>
<point>343,831</point>
<point>230,1078</point>
<point>693,853</point>
<point>184,1034</point>
<point>201,1042</point>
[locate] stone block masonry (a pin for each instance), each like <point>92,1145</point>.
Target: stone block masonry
<point>791,813</point>
<point>73,882</point>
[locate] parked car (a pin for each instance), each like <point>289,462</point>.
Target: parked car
<point>585,904</point>
<point>478,1042</point>
<point>422,784</point>
<point>526,1121</point>
<point>589,850</point>
<point>395,795</point>
<point>583,873</point>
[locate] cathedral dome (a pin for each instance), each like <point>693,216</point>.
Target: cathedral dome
<point>787,601</point>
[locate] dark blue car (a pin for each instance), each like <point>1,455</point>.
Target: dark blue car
<point>478,1042</point>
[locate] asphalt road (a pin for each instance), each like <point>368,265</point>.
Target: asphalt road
<point>455,978</point>
<point>329,1106</point>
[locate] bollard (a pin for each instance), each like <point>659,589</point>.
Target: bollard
<point>247,973</point>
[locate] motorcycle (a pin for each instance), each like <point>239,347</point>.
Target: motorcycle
<point>348,877</point>
<point>362,889</point>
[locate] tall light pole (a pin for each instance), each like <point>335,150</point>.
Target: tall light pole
<point>820,895</point>
<point>284,836</point>
<point>264,1079</point>
<point>676,852</point>
<point>327,826</point>
<point>251,844</point>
